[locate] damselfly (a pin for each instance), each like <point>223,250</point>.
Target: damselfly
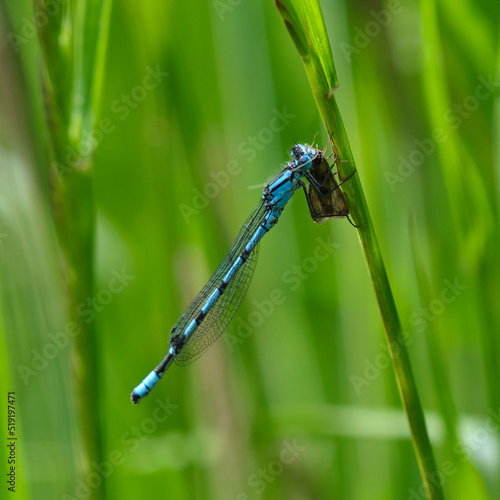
<point>214,307</point>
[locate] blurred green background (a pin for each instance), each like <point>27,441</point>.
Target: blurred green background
<point>197,107</point>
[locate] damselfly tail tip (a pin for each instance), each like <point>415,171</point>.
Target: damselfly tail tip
<point>144,388</point>
<point>135,398</point>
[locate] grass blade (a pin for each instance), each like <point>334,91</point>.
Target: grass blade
<point>306,26</point>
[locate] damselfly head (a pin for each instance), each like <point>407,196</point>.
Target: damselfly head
<point>304,155</point>
<point>297,151</point>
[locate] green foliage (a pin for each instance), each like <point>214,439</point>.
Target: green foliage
<point>177,109</point>
<point>310,23</point>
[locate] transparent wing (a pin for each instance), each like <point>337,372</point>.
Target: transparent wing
<point>223,310</point>
<point>219,315</point>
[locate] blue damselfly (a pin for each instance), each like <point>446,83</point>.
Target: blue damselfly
<point>214,307</point>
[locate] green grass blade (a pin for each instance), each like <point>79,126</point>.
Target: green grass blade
<point>305,23</point>
<point>74,46</point>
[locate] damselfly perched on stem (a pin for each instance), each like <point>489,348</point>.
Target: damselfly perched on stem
<point>214,307</point>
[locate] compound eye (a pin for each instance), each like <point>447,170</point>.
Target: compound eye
<point>297,151</point>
